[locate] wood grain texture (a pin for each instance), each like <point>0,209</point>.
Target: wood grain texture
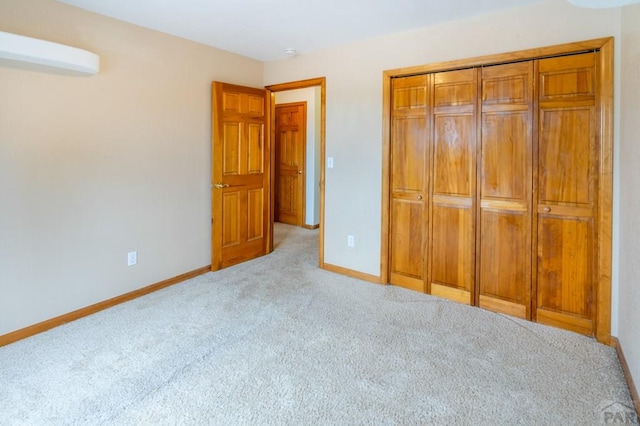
<point>567,192</point>
<point>505,257</point>
<point>97,307</point>
<point>557,89</point>
<point>452,204</point>
<point>408,214</point>
<point>535,188</point>
<point>605,193</point>
<point>354,274</point>
<point>408,243</point>
<point>505,185</point>
<point>450,293</point>
<point>299,84</point>
<point>290,146</point>
<point>504,58</point>
<point>452,247</point>
<point>565,265</point>
<point>502,306</point>
<point>562,320</point>
<point>385,223</point>
<point>240,175</point>
<point>270,155</point>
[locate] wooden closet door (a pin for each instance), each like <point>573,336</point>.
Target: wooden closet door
<point>505,189</point>
<point>409,182</point>
<point>452,244</point>
<point>567,158</point>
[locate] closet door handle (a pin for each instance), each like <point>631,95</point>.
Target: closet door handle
<point>547,209</point>
<point>419,197</point>
<point>221,185</point>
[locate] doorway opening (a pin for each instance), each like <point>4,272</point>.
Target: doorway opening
<point>312,92</point>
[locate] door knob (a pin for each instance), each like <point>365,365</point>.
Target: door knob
<point>221,185</point>
<point>419,197</point>
<point>299,172</point>
<point>547,209</point>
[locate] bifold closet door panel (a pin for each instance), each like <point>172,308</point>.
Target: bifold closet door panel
<point>568,152</point>
<point>409,182</point>
<point>505,189</point>
<point>452,245</point>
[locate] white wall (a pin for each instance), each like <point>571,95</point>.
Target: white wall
<point>354,102</point>
<point>94,167</point>
<point>629,314</point>
<point>310,95</point>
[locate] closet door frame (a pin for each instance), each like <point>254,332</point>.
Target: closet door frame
<point>604,72</point>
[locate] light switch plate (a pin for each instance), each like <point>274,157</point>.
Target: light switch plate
<point>329,162</point>
<point>351,241</point>
<point>132,258</point>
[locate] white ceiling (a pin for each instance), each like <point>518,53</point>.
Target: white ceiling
<point>264,29</point>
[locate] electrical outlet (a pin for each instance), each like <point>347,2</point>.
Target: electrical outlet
<point>351,241</point>
<point>132,258</point>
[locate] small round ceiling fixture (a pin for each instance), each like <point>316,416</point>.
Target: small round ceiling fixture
<point>290,52</point>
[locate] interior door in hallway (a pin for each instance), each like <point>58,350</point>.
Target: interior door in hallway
<point>290,163</point>
<point>241,223</point>
<point>505,180</point>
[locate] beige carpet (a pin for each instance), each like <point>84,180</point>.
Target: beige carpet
<point>278,341</point>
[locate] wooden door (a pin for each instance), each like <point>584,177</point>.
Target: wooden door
<point>567,167</point>
<point>241,223</point>
<point>505,179</point>
<point>452,248</point>
<point>409,182</point>
<point>290,162</point>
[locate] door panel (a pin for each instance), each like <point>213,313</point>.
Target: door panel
<point>567,78</point>
<point>567,198</point>
<point>455,88</point>
<point>506,154</point>
<point>454,158</point>
<point>410,93</point>
<point>240,175</point>
<point>231,141</point>
<point>255,206</point>
<point>409,182</point>
<point>505,262</point>
<point>565,155</point>
<point>231,102</point>
<point>565,272</point>
<point>452,252</point>
<point>409,154</point>
<point>407,262</point>
<point>255,105</point>
<point>505,189</point>
<point>452,245</point>
<point>255,151</point>
<point>290,157</point>
<point>231,219</point>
